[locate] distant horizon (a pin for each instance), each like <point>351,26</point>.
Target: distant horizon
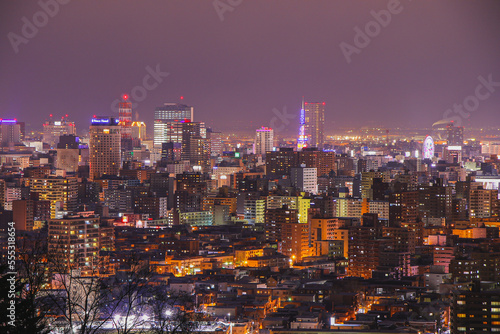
<point>396,63</point>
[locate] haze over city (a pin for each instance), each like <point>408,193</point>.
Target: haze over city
<point>236,65</point>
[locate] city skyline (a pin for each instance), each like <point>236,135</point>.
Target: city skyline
<point>250,167</point>
<point>410,54</point>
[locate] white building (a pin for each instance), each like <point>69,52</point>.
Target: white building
<point>264,140</point>
<point>306,179</point>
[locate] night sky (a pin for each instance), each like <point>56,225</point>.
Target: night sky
<point>263,55</point>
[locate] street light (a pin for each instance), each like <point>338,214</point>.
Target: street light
<point>230,327</point>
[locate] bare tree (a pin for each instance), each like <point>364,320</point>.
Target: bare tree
<point>173,312</point>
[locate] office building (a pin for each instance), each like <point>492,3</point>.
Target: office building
<point>168,122</point>
<point>52,130</point>
<point>195,147</point>
<point>10,132</point>
<point>105,147</point>
<point>216,145</point>
<point>264,140</point>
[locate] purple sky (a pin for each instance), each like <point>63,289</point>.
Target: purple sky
<point>265,54</point>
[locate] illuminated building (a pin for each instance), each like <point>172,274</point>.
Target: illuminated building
<point>76,240</point>
<point>367,181</point>
<point>52,130</point>
<point>216,147</point>
<point>105,147</point>
<point>483,203</point>
<point>155,207</point>
<point>324,162</point>
<point>26,212</point>
<point>314,114</point>
<point>10,132</point>
<point>138,130</point>
<point>168,122</point>
<point>198,218</point>
<point>452,154</point>
<point>294,241</point>
<point>210,202</point>
<point>364,247</point>
<point>264,140</point>
<point>279,163</point>
<point>275,219</point>
<point>254,210</point>
<point>475,311</point>
<point>242,255</point>
<point>302,139</point>
<point>125,117</point>
<point>61,192</point>
<point>195,146</point>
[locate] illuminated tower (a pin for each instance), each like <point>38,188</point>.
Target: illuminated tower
<point>125,117</point>
<point>314,123</point>
<point>105,147</point>
<point>302,140</point>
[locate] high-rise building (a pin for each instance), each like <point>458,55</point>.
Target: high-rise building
<point>105,147</point>
<point>216,147</point>
<point>275,219</point>
<point>305,179</point>
<point>195,145</point>
<point>10,132</point>
<point>168,122</point>
<point>264,140</point>
<point>279,163</point>
<point>52,130</point>
<point>125,117</point>
<point>324,162</point>
<point>475,311</point>
<point>483,203</point>
<point>76,240</point>
<point>61,192</point>
<point>314,124</point>
<point>455,135</point>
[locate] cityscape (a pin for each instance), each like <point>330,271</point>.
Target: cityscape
<point>184,193</point>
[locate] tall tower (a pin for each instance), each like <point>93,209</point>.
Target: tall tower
<point>264,140</point>
<point>125,117</point>
<point>302,140</point>
<point>105,147</point>
<point>314,123</point>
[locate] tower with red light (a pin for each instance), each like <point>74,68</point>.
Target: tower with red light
<point>125,116</point>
